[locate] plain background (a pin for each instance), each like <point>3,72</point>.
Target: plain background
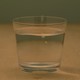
<point>69,9</point>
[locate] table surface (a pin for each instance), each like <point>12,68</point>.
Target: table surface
<point>70,67</point>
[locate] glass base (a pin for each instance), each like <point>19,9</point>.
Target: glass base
<point>37,66</point>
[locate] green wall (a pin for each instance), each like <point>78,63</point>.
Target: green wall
<point>69,9</point>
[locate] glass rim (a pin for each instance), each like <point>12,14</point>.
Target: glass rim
<point>16,20</point>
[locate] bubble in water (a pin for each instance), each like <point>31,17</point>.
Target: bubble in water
<point>43,36</point>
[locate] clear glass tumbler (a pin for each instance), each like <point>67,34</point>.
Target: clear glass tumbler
<point>39,42</point>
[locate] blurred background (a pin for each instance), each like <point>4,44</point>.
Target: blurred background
<point>69,9</point>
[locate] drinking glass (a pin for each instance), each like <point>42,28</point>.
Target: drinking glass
<point>39,42</point>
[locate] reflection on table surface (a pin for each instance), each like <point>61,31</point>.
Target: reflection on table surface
<point>9,69</point>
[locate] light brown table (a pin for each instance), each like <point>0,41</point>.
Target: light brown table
<point>9,69</point>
